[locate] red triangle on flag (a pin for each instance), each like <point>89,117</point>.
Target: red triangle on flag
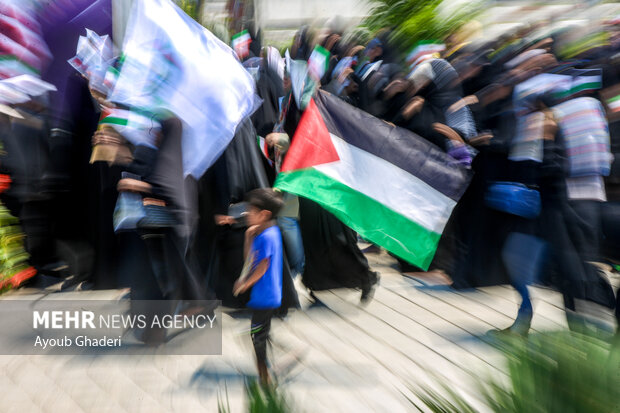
<point>105,112</point>
<point>312,144</point>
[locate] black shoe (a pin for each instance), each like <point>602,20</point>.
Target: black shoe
<point>368,291</point>
<point>367,294</point>
<point>151,337</point>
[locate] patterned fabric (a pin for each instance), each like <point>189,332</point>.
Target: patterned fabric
<point>447,86</point>
<point>462,121</point>
<point>444,75</point>
<point>568,85</point>
<point>586,188</point>
<point>586,136</point>
<point>527,143</point>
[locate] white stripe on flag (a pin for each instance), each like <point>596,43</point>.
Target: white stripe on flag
<point>580,80</point>
<point>386,183</point>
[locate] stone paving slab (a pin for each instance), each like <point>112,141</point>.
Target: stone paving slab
<point>336,357</point>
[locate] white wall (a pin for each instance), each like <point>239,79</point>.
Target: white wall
<point>120,14</point>
<point>290,13</point>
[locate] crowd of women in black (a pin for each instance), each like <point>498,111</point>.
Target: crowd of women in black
<point>536,124</point>
<point>503,108</point>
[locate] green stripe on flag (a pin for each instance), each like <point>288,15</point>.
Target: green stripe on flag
<point>578,88</point>
<point>371,219</point>
<point>115,121</point>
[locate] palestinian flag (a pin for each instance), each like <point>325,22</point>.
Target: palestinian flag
<point>388,184</point>
<point>139,128</point>
<point>583,81</point>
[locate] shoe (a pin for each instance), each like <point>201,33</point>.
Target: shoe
<point>367,294</point>
<point>368,289</point>
<point>152,337</point>
<point>520,327</point>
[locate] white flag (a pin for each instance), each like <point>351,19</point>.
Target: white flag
<point>172,63</point>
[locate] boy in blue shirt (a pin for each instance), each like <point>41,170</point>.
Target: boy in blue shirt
<point>263,254</point>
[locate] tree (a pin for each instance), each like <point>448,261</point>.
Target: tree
<point>191,7</point>
<point>414,20</point>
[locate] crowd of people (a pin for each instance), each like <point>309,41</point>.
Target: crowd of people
<point>533,114</point>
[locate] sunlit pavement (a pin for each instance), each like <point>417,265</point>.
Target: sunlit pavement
<point>333,356</point>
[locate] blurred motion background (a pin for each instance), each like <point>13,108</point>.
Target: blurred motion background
<point>130,137</point>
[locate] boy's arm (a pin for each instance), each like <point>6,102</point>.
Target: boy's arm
<point>243,285</point>
<point>249,237</point>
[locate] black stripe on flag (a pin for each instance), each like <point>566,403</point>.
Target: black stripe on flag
<point>398,146</point>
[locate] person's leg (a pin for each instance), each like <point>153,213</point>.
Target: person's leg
<point>522,255</point>
<point>584,224</point>
<point>260,327</point>
<point>291,236</point>
<point>586,228</point>
<point>158,249</point>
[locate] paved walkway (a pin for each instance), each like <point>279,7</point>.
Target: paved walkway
<point>334,357</point>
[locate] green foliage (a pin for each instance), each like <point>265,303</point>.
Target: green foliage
<point>556,373</point>
<point>221,407</point>
<point>261,399</point>
<point>219,30</point>
<point>265,399</point>
<point>416,20</point>
<point>189,6</point>
<point>288,45</point>
<point>192,8</point>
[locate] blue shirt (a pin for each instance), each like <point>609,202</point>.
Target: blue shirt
<point>267,292</point>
